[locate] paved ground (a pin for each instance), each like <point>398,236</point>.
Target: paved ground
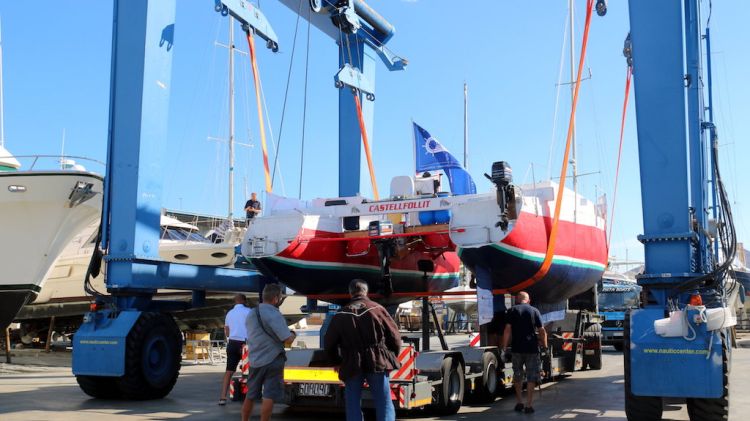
<point>32,392</point>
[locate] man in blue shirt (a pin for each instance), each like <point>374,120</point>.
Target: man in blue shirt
<point>525,332</point>
<point>267,334</point>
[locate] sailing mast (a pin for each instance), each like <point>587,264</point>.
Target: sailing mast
<point>231,121</point>
<point>573,159</point>
<point>466,126</point>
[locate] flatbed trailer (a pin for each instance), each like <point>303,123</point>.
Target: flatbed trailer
<point>439,380</point>
<point>442,380</point>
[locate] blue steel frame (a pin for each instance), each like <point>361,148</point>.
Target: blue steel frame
<point>142,41</point>
<point>667,66</point>
<point>357,53</point>
<point>143,37</point>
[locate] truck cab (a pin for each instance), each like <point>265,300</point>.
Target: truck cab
<point>617,295</point>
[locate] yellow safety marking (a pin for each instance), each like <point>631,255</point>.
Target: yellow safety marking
<point>325,375</point>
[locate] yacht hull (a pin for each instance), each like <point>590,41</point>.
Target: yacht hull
<point>41,213</point>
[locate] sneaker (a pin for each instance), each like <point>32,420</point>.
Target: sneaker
<point>519,407</point>
<point>528,410</point>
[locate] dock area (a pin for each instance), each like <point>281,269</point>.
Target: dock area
<point>30,391</point>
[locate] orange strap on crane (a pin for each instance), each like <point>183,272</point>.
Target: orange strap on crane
<point>547,262</point>
<point>619,153</point>
<point>261,125</point>
<point>366,144</point>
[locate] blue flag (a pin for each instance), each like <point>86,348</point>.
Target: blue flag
<point>431,155</point>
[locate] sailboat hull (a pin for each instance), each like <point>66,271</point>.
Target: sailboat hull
<point>511,258</point>
<point>313,255</point>
<point>330,279</point>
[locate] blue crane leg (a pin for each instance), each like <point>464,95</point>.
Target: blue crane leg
<point>656,31</point>
<point>672,152</point>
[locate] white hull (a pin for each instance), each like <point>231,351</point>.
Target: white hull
<point>40,213</point>
<point>64,281</point>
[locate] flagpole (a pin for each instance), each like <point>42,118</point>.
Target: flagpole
<point>414,147</point>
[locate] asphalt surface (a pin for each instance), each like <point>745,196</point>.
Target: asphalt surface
<point>33,392</point>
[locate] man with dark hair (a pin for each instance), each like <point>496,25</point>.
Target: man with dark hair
<point>267,334</point>
<point>234,331</point>
<point>525,332</point>
<point>368,341</point>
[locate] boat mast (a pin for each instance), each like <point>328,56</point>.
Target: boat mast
<point>572,93</point>
<point>231,120</point>
<point>2,110</point>
<point>466,126</point>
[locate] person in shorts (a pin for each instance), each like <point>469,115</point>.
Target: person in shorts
<point>525,332</point>
<point>234,331</point>
<point>267,333</point>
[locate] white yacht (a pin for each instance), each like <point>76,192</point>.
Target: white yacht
<point>40,213</point>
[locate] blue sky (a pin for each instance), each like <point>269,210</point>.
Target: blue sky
<point>56,72</point>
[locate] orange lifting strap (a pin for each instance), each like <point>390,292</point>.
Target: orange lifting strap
<point>261,125</point>
<point>542,272</point>
<point>619,153</point>
<point>363,129</point>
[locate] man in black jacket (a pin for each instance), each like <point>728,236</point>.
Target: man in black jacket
<point>368,341</point>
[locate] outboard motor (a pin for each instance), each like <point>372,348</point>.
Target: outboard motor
<point>502,178</point>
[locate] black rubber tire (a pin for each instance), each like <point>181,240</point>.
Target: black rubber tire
<point>618,346</point>
<point>487,388</point>
<point>451,393</point>
<point>99,387</point>
<point>716,409</point>
<point>637,408</point>
<point>152,358</point>
<point>593,333</point>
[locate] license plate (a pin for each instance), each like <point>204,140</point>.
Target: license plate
<point>618,334</point>
<point>314,389</point>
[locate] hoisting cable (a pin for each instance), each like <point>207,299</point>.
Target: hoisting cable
<point>547,262</point>
<point>261,123</point>
<point>366,144</point>
<point>286,96</point>
<point>619,153</point>
<point>304,105</point>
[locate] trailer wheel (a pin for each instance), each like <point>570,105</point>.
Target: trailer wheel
<point>593,334</point>
<point>712,409</point>
<point>487,389</point>
<point>152,358</point>
<point>99,387</point>
<point>637,408</point>
<point>451,393</point>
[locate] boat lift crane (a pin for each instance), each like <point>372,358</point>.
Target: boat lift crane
<point>678,344</point>
<point>129,346</point>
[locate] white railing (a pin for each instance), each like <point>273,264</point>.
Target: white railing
<point>43,162</point>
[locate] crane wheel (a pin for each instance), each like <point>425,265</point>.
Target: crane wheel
<point>637,408</point>
<point>99,387</point>
<point>712,409</point>
<point>152,358</point>
<point>487,388</point>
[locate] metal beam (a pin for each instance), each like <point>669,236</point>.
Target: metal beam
<point>656,31</point>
